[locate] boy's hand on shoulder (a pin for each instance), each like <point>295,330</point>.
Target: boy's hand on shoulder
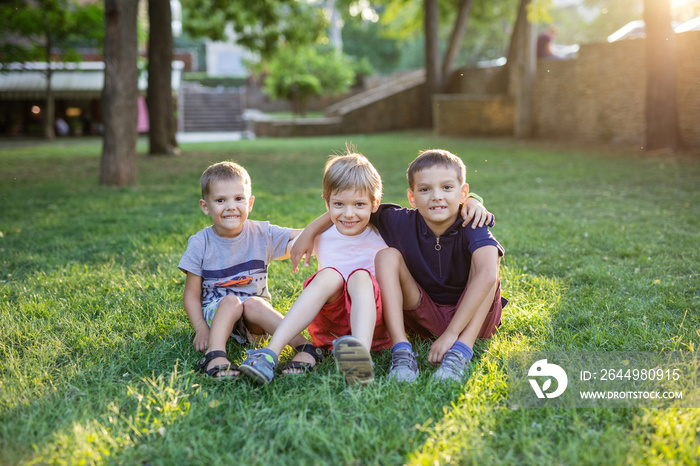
<point>440,347</point>
<point>475,210</point>
<point>201,338</point>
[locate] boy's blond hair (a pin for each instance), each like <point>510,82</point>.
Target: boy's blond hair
<point>351,171</point>
<point>436,157</point>
<point>224,171</point>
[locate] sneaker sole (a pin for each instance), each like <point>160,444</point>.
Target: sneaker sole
<point>447,378</point>
<point>353,360</point>
<point>254,374</point>
<point>404,376</point>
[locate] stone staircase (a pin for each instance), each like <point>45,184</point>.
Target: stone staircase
<point>207,109</point>
<point>391,106</point>
<point>375,94</point>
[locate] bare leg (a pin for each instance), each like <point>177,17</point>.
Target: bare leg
<point>399,290</point>
<point>227,314</point>
<point>363,309</point>
<point>260,317</point>
<point>326,287</point>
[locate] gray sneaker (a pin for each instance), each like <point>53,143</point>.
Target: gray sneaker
<point>454,366</point>
<point>404,367</point>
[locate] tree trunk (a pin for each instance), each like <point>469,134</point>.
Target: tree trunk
<point>662,127</point>
<point>432,69</point>
<point>465,7</point>
<point>523,74</point>
<point>120,93</point>
<point>334,28</point>
<point>515,46</point>
<point>161,114</point>
<point>50,114</point>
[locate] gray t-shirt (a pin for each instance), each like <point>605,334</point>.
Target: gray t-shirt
<point>235,265</point>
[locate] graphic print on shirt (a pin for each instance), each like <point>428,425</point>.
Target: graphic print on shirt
<point>237,281</point>
<point>240,280</point>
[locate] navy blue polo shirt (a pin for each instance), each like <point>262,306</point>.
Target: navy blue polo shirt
<point>441,271</point>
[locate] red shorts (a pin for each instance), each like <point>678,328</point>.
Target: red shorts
<point>429,320</point>
<point>334,320</point>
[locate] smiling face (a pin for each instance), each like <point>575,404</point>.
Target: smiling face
<point>437,194</point>
<point>228,203</point>
<point>350,211</point>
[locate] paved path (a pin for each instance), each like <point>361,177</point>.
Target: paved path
<point>211,137</point>
<point>8,143</point>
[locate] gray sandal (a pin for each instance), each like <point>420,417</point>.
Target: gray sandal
<point>259,365</point>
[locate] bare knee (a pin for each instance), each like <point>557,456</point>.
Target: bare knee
<point>360,278</point>
<point>230,301</point>
<point>330,278</point>
<point>254,306</point>
<point>387,259</point>
<point>229,307</point>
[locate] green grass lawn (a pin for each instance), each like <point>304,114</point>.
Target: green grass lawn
<point>96,357</point>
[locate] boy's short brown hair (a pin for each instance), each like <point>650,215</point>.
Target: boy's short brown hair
<point>436,157</point>
<point>224,171</point>
<point>351,171</point>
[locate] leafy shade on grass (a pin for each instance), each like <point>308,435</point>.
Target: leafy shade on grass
<point>96,360</point>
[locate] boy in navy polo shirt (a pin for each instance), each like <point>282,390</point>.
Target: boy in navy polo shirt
<point>438,280</point>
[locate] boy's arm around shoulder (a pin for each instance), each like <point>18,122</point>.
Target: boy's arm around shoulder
<point>304,244</point>
<point>292,239</point>
<point>193,307</point>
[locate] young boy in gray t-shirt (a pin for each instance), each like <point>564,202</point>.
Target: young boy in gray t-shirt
<point>226,267</point>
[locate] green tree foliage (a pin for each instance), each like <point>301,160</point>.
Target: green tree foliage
<point>47,31</point>
<point>33,31</point>
<point>366,39</point>
<point>260,25</point>
<point>487,35</point>
<point>488,31</point>
<point>594,20</point>
<point>298,73</point>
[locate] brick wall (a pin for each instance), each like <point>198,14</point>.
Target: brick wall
<point>597,96</point>
<point>479,115</point>
<point>395,112</point>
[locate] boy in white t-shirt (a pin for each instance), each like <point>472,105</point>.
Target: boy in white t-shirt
<point>341,302</point>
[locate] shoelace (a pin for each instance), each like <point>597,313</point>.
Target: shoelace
<point>404,359</point>
<point>453,362</point>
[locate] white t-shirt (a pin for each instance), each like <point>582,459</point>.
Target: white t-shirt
<point>348,253</point>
